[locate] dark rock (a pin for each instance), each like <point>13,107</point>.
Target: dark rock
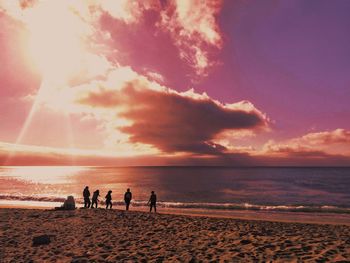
<point>245,242</point>
<point>41,240</point>
<point>307,248</point>
<point>79,259</point>
<point>34,216</point>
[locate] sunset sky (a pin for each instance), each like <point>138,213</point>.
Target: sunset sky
<point>194,82</point>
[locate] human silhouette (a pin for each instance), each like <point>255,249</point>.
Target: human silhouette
<point>95,198</point>
<point>86,194</point>
<point>153,202</point>
<point>109,200</point>
<point>127,198</point>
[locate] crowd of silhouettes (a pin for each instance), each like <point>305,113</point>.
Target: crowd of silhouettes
<point>152,202</point>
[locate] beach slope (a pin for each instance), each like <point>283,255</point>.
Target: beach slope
<point>111,236</point>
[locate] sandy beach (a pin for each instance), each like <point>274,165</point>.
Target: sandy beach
<point>98,235</point>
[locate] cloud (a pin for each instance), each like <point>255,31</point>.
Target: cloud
<point>35,155</point>
<point>113,61</point>
<point>154,76</point>
<point>20,155</point>
<point>326,137</point>
<point>292,153</point>
<point>194,29</point>
<point>168,120</point>
<point>129,12</point>
<point>176,123</point>
<point>125,32</point>
<point>274,147</point>
<point>187,30</point>
<point>316,145</point>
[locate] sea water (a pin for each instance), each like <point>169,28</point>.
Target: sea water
<point>315,189</point>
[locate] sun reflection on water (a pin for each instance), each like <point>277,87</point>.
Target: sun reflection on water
<point>44,174</point>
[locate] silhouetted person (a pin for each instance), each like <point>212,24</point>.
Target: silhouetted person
<point>153,202</point>
<point>69,203</point>
<point>109,200</point>
<point>95,198</point>
<point>86,194</point>
<point>127,198</point>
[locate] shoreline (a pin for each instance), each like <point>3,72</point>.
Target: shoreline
<point>271,216</point>
<point>100,235</point>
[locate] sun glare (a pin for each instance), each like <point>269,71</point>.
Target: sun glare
<point>57,48</point>
<point>57,36</point>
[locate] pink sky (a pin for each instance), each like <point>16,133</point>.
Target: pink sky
<point>172,83</point>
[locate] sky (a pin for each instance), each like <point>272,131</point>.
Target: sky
<point>172,82</point>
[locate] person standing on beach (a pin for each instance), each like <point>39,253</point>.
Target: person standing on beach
<point>127,198</point>
<point>86,194</point>
<point>95,198</point>
<point>153,202</point>
<point>109,200</point>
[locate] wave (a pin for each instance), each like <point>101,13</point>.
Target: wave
<point>32,198</point>
<point>196,205</point>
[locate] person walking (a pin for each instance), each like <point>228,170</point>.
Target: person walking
<point>109,200</point>
<point>127,198</point>
<point>86,195</point>
<point>152,202</point>
<point>94,199</point>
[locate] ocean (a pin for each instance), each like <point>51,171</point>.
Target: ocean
<point>211,188</point>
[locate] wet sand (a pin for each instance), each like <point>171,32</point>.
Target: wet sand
<point>98,235</point>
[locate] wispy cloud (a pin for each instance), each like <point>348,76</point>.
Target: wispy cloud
<point>312,144</point>
<point>325,138</point>
<point>194,29</point>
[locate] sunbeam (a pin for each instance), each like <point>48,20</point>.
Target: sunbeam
<point>25,125</point>
<point>70,135</point>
